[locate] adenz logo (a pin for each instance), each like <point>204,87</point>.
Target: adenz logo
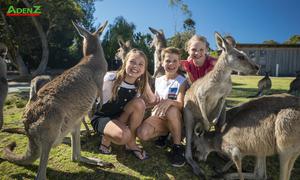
<point>35,11</point>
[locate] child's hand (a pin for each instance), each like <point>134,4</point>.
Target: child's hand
<point>155,102</point>
<point>162,107</point>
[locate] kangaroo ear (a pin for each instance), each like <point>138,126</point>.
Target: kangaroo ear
<point>101,28</point>
<point>154,31</point>
<point>198,131</point>
<point>82,31</point>
<point>121,42</point>
<point>128,44</point>
<point>161,32</point>
<point>221,43</point>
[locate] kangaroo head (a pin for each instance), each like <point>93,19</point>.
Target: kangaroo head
<point>204,145</point>
<point>91,42</point>
<point>235,59</point>
<point>267,73</point>
<point>159,40</point>
<point>125,47</point>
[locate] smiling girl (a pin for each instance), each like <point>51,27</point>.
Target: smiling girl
<point>199,62</point>
<point>123,107</point>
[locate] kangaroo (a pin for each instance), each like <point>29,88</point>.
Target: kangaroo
<point>264,84</point>
<point>295,84</point>
<point>261,127</point>
<point>204,100</point>
<point>125,47</point>
<point>159,43</point>
<point>39,81</point>
<point>60,105</point>
<point>3,81</point>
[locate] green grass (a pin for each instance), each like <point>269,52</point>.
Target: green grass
<point>126,165</point>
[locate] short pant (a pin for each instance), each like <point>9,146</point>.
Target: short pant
<point>99,123</point>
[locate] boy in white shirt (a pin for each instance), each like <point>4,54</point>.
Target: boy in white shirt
<point>167,114</point>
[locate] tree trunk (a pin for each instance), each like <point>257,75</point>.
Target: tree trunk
<point>21,65</point>
<point>45,55</point>
<point>14,54</point>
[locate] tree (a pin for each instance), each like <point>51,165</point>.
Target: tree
<point>189,25</point>
<point>45,50</point>
<point>178,4</point>
<point>270,42</point>
<point>53,28</point>
<point>179,41</point>
<point>142,42</point>
<point>183,7</point>
<point>120,29</point>
<point>8,36</point>
<point>295,39</point>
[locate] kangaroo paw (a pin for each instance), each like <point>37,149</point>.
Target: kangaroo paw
<point>97,162</point>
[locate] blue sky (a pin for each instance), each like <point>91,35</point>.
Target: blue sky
<point>249,21</point>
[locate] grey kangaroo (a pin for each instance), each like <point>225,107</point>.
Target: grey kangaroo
<point>39,81</point>
<point>204,100</point>
<point>3,81</point>
<point>295,84</point>
<point>263,85</point>
<point>124,48</point>
<point>60,105</point>
<point>261,127</point>
<point>159,43</point>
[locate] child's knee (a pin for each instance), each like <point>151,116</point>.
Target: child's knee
<point>143,133</point>
<point>122,136</point>
<point>174,113</point>
<point>139,104</point>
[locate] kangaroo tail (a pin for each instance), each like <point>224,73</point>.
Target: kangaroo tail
<point>14,130</point>
<point>32,153</point>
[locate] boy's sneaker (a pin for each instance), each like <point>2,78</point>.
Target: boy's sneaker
<point>176,155</point>
<point>161,142</point>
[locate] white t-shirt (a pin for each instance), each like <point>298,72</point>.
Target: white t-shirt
<point>108,81</point>
<point>168,88</point>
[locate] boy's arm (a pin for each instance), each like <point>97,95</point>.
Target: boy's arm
<point>181,94</point>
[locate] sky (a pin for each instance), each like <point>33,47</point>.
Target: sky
<point>248,21</point>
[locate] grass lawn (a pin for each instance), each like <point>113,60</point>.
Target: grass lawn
<point>126,165</point>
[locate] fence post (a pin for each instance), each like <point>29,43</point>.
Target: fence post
<point>277,70</point>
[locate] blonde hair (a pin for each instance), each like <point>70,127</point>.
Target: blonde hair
<point>171,50</point>
<point>196,38</point>
<point>140,83</point>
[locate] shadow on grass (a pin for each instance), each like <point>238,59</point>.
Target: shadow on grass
<point>23,94</point>
<point>157,166</point>
<point>231,103</point>
<point>246,92</point>
<point>54,174</point>
<point>237,84</point>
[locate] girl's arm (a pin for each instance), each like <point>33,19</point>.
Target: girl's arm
<point>149,97</point>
